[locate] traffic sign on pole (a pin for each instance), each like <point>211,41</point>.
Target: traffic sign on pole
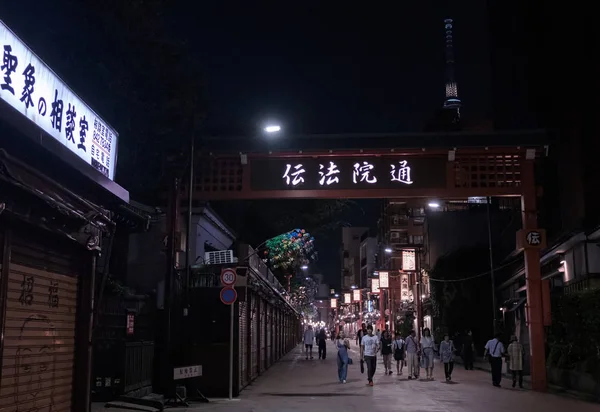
<point>228,277</point>
<point>228,295</point>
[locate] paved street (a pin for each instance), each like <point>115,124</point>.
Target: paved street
<point>295,384</point>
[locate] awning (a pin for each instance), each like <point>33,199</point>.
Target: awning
<point>91,219</point>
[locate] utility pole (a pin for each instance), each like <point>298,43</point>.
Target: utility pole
<point>489,224</point>
<point>170,271</point>
<point>188,248</point>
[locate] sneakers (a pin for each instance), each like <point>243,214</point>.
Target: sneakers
<point>344,381</point>
<point>370,383</point>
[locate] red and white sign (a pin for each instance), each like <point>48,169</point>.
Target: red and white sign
<point>409,260</point>
<point>384,280</point>
<point>333,302</point>
<point>130,323</point>
<point>374,286</point>
<point>357,295</point>
<point>228,277</point>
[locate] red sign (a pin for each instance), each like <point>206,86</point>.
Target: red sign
<point>228,277</point>
<point>228,295</point>
<point>130,323</point>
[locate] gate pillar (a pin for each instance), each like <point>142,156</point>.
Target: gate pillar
<point>535,310</point>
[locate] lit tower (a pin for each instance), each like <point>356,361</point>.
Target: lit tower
<point>452,102</point>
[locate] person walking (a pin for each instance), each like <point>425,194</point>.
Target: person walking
<point>362,332</point>
<point>447,356</point>
<point>370,347</point>
<point>343,345</point>
<point>468,350</point>
<point>386,351</point>
<point>427,352</point>
<point>412,355</point>
<point>516,354</point>
<point>309,337</point>
<point>399,349</point>
<point>494,349</point>
<point>322,343</point>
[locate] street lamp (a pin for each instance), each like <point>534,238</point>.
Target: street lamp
<point>388,250</point>
<point>304,267</point>
<point>433,205</point>
<point>273,128</point>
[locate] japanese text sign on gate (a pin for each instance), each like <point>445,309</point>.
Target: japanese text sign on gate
<point>348,173</point>
<point>531,239</point>
<point>34,90</point>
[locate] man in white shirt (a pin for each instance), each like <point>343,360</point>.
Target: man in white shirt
<point>370,346</point>
<point>309,337</point>
<point>495,349</point>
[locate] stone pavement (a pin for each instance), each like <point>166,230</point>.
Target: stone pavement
<point>296,384</point>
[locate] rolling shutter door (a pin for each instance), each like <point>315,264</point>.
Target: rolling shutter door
<point>243,339</point>
<point>263,332</point>
<point>253,337</point>
<point>39,335</point>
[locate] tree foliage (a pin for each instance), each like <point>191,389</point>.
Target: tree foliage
<point>574,337</point>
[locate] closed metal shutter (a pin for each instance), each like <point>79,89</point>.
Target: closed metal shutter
<point>269,355</point>
<point>243,339</point>
<point>263,332</point>
<point>39,334</point>
<point>253,337</point>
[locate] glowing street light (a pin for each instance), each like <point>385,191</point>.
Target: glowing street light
<point>433,205</point>
<point>304,267</point>
<point>388,250</point>
<point>272,128</point>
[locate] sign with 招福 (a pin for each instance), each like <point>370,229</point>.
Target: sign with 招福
<point>357,172</point>
<point>36,92</point>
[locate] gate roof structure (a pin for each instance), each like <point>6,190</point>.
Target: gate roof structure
<point>441,165</point>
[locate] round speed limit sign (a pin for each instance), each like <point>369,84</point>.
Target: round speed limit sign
<point>228,277</point>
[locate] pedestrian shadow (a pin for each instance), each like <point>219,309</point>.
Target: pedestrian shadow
<point>452,383</point>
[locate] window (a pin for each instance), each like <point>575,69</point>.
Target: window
<point>417,240</point>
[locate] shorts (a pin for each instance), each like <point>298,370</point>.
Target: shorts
<point>308,346</point>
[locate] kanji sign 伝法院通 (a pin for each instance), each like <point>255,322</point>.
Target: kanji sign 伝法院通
<point>348,173</point>
<point>34,90</point>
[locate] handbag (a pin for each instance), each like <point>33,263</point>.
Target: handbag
<point>350,361</point>
<point>362,366</point>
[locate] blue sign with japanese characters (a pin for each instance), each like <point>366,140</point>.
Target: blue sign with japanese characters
<point>348,173</point>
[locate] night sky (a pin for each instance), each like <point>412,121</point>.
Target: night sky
<point>314,68</point>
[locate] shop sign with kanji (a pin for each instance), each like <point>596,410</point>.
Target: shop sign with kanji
<point>36,92</point>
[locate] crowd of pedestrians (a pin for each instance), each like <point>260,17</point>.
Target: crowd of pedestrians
<point>415,354</point>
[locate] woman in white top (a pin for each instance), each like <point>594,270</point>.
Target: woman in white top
<point>427,352</point>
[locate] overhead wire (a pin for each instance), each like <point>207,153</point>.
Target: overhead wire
<point>470,277</point>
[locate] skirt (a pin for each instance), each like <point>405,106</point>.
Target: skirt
<point>427,358</point>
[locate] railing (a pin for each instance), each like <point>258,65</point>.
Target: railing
<point>139,358</point>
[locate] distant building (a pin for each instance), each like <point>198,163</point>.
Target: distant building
<point>368,258</point>
<point>351,241</point>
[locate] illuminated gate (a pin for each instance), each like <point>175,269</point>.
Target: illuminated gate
<point>443,172</point>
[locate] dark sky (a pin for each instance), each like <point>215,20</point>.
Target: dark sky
<point>334,68</point>
<point>313,67</point>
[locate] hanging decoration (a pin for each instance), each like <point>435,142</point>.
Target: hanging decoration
<point>289,249</point>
